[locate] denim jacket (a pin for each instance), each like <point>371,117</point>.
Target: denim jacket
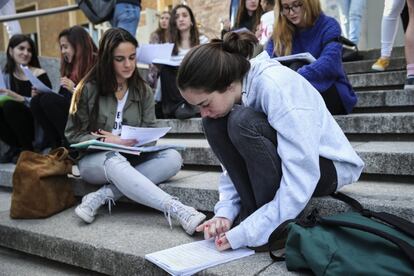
<point>138,112</point>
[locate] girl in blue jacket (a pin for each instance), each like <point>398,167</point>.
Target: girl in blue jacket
<point>300,26</point>
<point>271,131</point>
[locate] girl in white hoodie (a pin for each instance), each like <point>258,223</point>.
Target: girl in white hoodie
<point>270,129</point>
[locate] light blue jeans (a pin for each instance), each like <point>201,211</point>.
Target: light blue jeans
<point>350,15</point>
<point>126,16</point>
<point>136,177</point>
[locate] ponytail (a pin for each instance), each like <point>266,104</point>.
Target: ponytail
<point>215,65</point>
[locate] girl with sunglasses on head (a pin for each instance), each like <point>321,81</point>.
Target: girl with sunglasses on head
<point>301,26</point>
<point>277,142</point>
<point>78,55</point>
<point>17,125</point>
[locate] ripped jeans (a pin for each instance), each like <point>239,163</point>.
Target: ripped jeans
<point>135,177</point>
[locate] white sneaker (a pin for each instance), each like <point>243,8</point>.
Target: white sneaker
<point>91,203</point>
<point>187,216</point>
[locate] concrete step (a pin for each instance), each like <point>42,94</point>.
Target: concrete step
<point>395,158</point>
<point>18,263</point>
<point>385,99</point>
<point>114,244</point>
<point>363,123</point>
<point>199,188</point>
<point>364,81</point>
<point>376,53</point>
<point>364,66</point>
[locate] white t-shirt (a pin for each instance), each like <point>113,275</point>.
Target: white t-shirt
<point>116,129</point>
<point>266,26</point>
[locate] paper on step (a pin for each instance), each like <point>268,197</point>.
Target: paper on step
<point>190,258</point>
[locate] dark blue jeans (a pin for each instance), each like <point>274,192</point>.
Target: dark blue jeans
<point>246,144</point>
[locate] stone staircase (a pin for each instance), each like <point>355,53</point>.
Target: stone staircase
<point>381,130</point>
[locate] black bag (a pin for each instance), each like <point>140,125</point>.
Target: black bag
<point>97,11</point>
<point>363,242</point>
<point>350,50</point>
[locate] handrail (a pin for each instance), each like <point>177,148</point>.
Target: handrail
<point>36,13</point>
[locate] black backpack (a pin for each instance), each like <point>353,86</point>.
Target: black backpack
<point>97,11</point>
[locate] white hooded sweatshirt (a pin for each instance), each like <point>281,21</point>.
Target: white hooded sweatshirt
<point>305,130</point>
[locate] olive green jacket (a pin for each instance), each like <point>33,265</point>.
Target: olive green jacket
<point>138,112</point>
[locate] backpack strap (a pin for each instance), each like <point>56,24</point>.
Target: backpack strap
<point>400,223</point>
<point>276,236</point>
<point>342,40</point>
<point>403,245</point>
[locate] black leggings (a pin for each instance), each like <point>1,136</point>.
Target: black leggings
<point>246,145</point>
<point>51,111</point>
<point>16,125</point>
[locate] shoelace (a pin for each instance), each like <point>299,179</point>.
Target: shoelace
<point>181,212</point>
<point>110,202</point>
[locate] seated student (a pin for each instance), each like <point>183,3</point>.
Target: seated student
<point>159,36</point>
<point>301,26</point>
<point>17,128</point>
<point>271,131</point>
<point>78,54</point>
<point>265,28</point>
<point>184,34</point>
<point>248,16</point>
<point>111,95</point>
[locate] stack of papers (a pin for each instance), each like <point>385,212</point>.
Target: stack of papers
<point>190,258</point>
<point>301,56</point>
<point>148,52</point>
<point>142,134</point>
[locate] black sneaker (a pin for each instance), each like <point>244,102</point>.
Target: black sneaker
<point>409,83</point>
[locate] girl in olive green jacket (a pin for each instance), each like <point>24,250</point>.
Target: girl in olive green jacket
<point>111,95</point>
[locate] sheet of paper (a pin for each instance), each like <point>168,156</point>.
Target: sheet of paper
<point>167,61</point>
<point>190,258</point>
<point>143,135</point>
<point>148,52</point>
<point>40,86</point>
<point>2,84</point>
<point>301,56</point>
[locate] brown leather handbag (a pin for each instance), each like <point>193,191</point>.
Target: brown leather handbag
<point>41,187</point>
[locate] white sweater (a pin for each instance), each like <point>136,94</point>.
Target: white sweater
<point>305,131</point>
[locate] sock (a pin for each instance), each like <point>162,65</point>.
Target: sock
<point>410,69</point>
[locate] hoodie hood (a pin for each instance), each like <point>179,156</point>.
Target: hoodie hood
<point>257,65</point>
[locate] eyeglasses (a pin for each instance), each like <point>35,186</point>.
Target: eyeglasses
<point>295,7</point>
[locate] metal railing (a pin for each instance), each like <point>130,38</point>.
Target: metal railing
<point>36,13</point>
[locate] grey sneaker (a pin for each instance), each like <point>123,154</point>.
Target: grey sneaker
<point>409,83</point>
<point>92,202</point>
<point>187,216</point>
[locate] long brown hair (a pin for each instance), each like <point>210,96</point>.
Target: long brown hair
<point>85,53</point>
<point>102,74</point>
<point>243,15</point>
<point>215,65</point>
<point>175,35</point>
<point>15,40</point>
<point>283,30</point>
<point>162,34</point>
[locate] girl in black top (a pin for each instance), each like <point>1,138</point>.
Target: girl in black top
<point>16,120</point>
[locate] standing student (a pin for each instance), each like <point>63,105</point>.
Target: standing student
<point>350,16</point>
<point>111,95</point>
<point>301,26</point>
<point>78,55</point>
<point>409,47</point>
<point>17,128</point>
<point>270,129</point>
<point>184,34</point>
<point>126,15</point>
<point>389,28</point>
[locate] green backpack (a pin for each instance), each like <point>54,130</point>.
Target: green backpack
<point>351,243</point>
